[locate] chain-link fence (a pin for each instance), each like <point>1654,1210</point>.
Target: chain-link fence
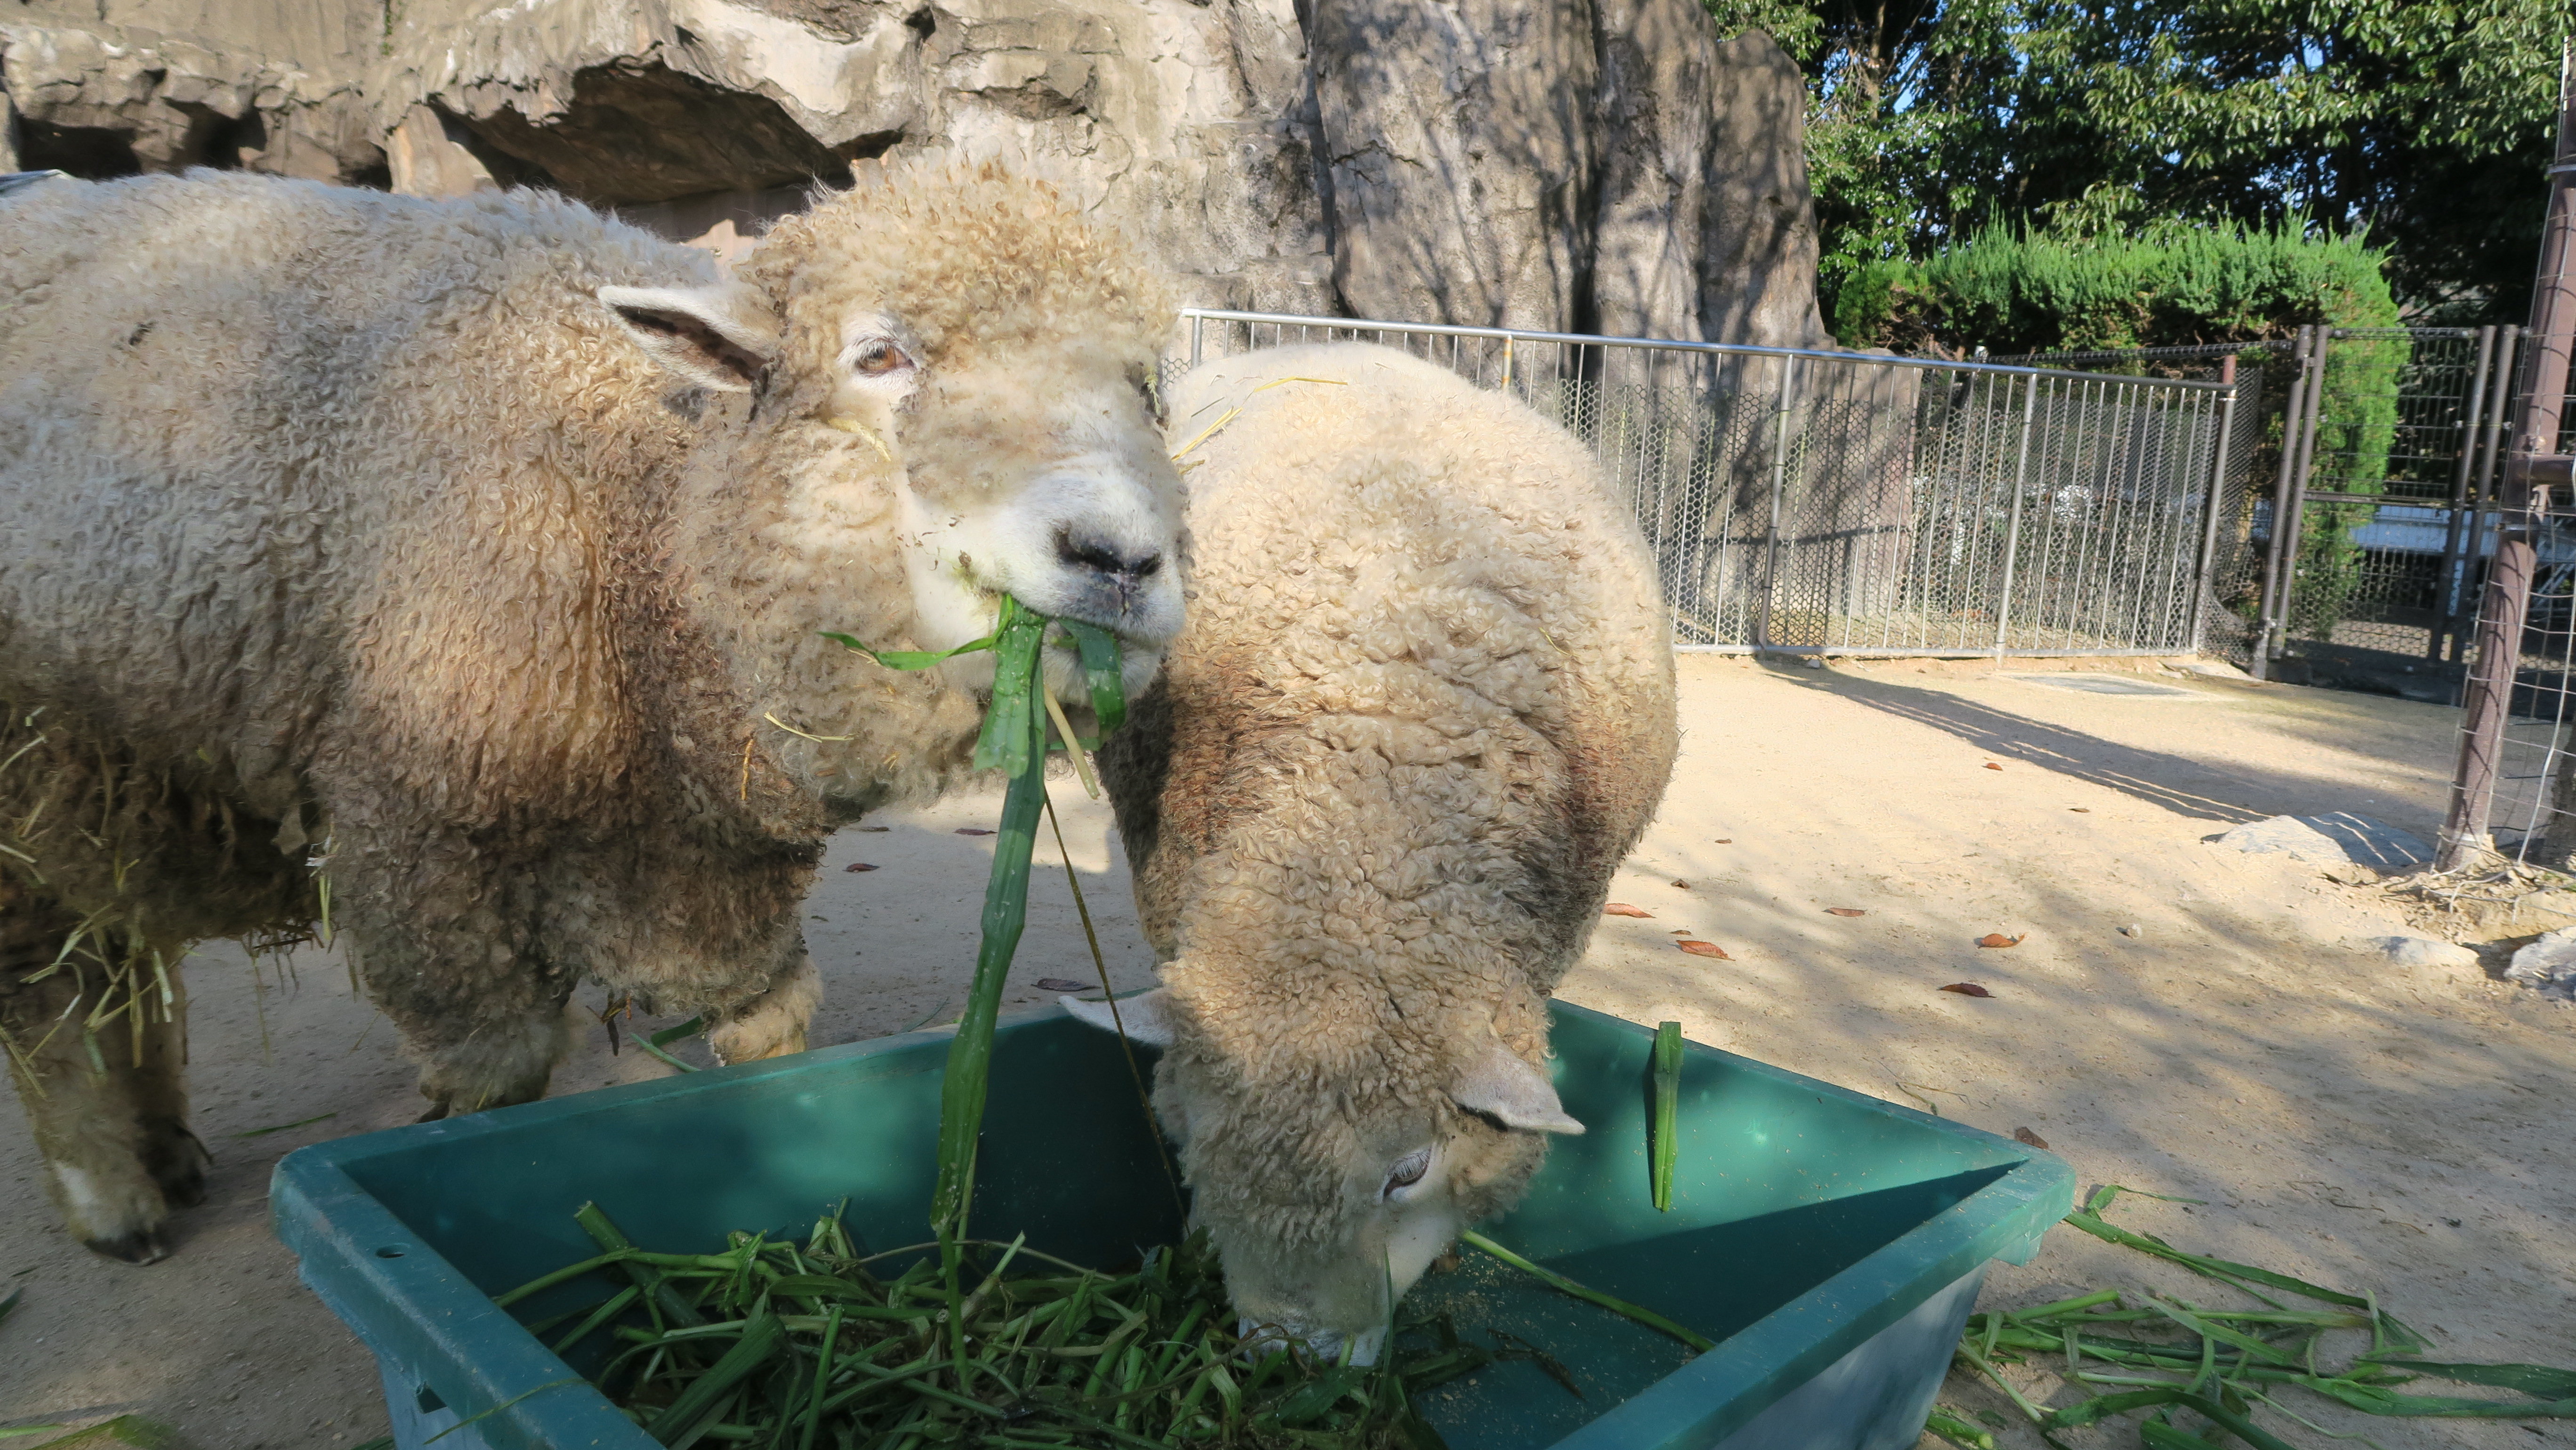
<point>1859,504</point>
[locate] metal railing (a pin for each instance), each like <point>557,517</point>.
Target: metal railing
<point>1814,502</point>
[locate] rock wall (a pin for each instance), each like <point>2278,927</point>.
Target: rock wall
<point>1587,165</point>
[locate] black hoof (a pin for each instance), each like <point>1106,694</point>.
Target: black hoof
<point>437,1111</point>
<point>143,1246</point>
<point>181,1173</point>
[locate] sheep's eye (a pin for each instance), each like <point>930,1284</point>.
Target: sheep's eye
<point>1408,1170</point>
<point>878,358</point>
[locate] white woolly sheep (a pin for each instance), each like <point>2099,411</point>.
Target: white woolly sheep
<point>1421,708</point>
<point>453,571</point>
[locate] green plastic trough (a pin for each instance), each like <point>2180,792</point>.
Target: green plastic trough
<point>1830,1243</point>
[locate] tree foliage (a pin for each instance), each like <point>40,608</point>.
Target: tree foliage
<point>2424,122</point>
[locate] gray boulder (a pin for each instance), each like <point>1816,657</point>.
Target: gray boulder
<point>2548,966</point>
<point>2337,841</point>
<point>2420,951</point>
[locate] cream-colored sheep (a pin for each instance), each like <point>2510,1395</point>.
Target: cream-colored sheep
<point>455,570</point>
<point>1421,708</point>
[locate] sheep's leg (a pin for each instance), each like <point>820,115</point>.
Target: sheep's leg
<point>773,1023</point>
<point>478,1053</point>
<point>485,1022</point>
<point>108,1112</point>
<point>172,1153</point>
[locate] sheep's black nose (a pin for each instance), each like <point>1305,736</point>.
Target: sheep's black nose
<point>1088,551</point>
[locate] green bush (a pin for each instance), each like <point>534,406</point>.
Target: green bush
<point>2039,291</point>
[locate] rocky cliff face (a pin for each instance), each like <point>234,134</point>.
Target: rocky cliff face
<point>1586,165</point>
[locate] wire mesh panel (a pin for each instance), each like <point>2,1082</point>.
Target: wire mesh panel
<point>2395,424</point>
<point>1850,503</point>
<point>2532,811</point>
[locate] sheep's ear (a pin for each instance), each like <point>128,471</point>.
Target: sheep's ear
<point>719,337</point>
<point>1503,1087</point>
<point>1148,1017</point>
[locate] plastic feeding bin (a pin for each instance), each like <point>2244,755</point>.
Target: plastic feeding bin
<point>1830,1243</point>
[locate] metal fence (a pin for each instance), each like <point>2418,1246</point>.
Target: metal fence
<point>1859,504</point>
<point>2378,447</point>
<point>2263,377</point>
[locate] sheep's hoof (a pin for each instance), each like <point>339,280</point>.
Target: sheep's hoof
<point>181,1169</point>
<point>139,1247</point>
<point>437,1110</point>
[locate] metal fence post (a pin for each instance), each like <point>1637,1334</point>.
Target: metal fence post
<point>2446,621</point>
<point>2209,526</point>
<point>2012,524</point>
<point>2292,408</point>
<point>2508,594</point>
<point>1779,486</point>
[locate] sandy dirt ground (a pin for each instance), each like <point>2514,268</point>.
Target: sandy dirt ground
<point>2401,1132</point>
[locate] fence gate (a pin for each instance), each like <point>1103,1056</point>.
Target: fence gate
<point>1856,504</point>
<point>2375,563</point>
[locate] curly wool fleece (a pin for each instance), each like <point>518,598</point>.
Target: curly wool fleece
<point>1422,707</point>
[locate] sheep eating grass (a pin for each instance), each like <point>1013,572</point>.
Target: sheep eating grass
<point>1421,708</point>
<point>455,572</point>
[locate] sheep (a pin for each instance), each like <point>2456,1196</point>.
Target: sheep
<point>452,574</point>
<point>1421,707</point>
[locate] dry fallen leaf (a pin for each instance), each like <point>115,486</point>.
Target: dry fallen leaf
<point>2081,810</point>
<point>1681,931</point>
<point>1684,885</point>
<point>1704,949</point>
<point>1061,984</point>
<point>1726,840</point>
<point>1990,765</point>
<point>1621,908</point>
<point>858,866</point>
<point>2025,1135</point>
<point>1998,939</point>
<point>973,831</point>
<point>1967,989</point>
<point>1844,911</point>
<point>875,829</point>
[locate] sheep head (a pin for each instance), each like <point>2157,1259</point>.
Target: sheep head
<point>931,390</point>
<point>1335,1147</point>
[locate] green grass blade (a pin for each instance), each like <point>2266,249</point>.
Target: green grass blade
<point>1564,1285</point>
<point>2106,1405</point>
<point>822,1380</point>
<point>1102,670</point>
<point>595,1222</point>
<point>505,1404</point>
<point>2224,1270</point>
<point>922,659</point>
<point>1666,1146</point>
<point>970,1052</point>
<point>2371,1399</point>
<point>2538,1381</point>
<point>1957,1431</point>
<point>1011,728</point>
<point>615,1305</point>
<point>758,1345</point>
<point>658,1043</point>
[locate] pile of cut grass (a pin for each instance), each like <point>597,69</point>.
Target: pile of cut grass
<point>2200,1371</point>
<point>796,1346</point>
